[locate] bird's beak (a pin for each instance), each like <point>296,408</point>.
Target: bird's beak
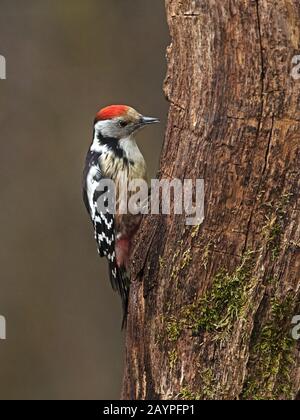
<point>149,120</point>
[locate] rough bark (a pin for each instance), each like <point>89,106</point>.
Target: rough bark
<point>211,306</point>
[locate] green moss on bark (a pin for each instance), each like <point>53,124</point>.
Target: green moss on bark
<point>272,359</point>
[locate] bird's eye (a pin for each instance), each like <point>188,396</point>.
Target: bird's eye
<point>123,123</point>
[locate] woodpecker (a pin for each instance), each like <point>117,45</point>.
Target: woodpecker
<point>114,155</point>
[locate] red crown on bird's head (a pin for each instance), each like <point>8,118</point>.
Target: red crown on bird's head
<point>111,112</point>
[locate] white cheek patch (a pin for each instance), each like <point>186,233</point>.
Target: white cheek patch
<point>109,128</point>
<point>129,146</point>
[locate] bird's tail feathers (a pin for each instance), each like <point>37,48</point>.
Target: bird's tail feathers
<point>120,281</point>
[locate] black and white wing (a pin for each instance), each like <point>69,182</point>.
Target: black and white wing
<point>104,229</point>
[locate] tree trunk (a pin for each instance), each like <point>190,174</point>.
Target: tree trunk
<point>211,306</point>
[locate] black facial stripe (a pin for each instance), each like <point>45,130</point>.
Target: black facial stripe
<point>112,144</point>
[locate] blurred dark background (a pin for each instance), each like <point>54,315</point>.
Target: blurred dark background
<point>65,60</point>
